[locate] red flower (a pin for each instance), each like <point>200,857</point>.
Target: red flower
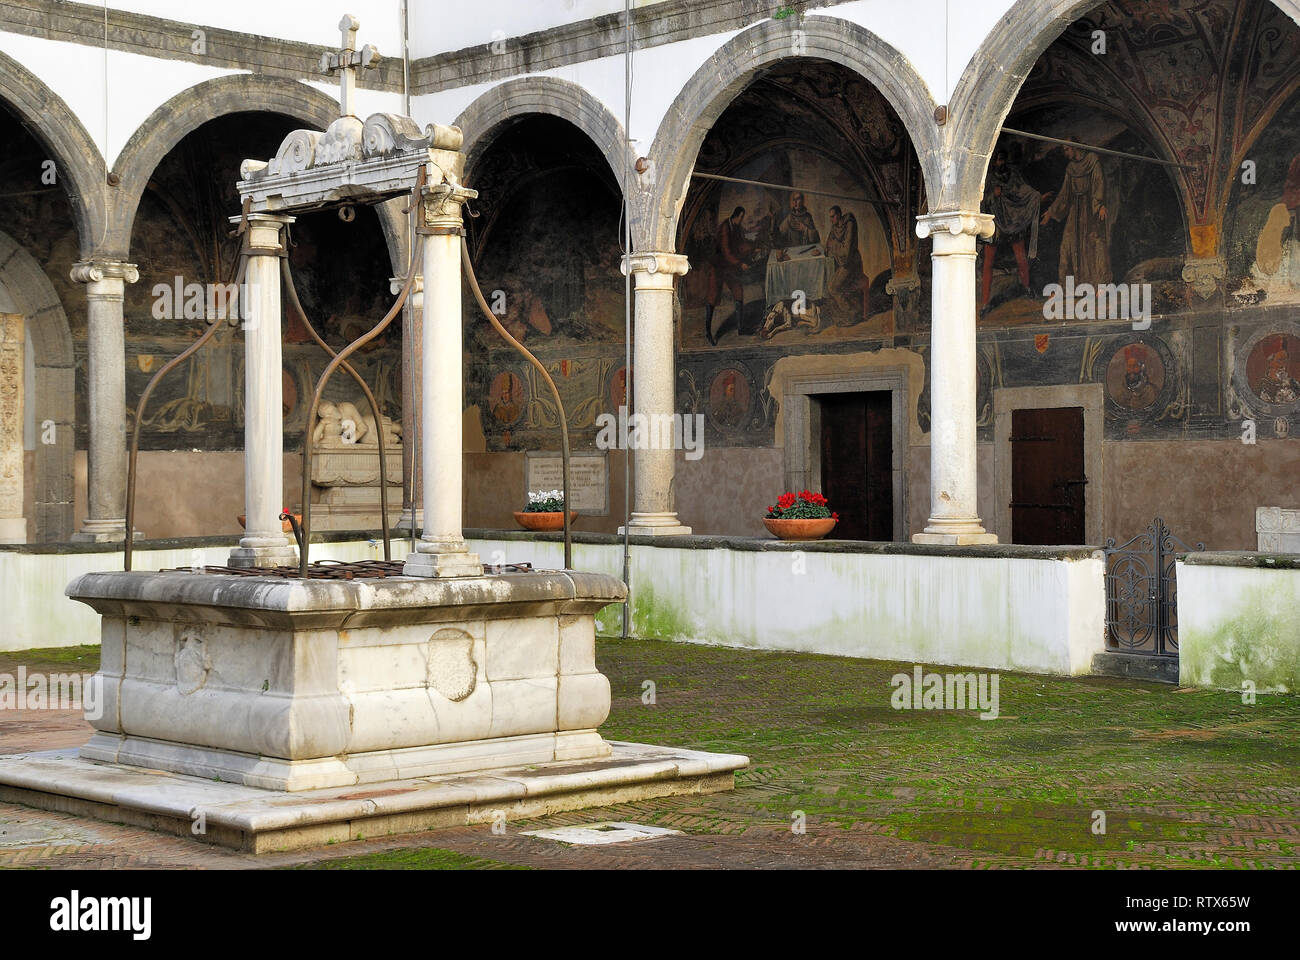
<point>834,516</point>
<point>785,501</point>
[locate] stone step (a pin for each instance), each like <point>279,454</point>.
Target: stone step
<point>1136,666</point>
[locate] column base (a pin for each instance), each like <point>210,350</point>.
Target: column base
<point>445,558</point>
<point>112,530</point>
<point>263,552</point>
<point>405,522</point>
<point>655,525</point>
<point>955,533</point>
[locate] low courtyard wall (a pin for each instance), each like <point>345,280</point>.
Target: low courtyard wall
<point>1032,609</point>
<point>35,612</point>
<point>1239,621</point>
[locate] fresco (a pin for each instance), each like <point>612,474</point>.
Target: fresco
<point>1262,240</point>
<point>1063,214</point>
<point>785,262</point>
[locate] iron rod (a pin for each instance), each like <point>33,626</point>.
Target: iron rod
<point>1092,149</point>
<point>555,392</point>
<point>287,275</point>
<point>333,365</point>
<point>781,186</point>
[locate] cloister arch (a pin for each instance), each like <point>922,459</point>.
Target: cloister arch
<point>717,82</point>
<point>51,122</point>
<point>988,87</point>
<point>189,110</point>
<point>482,119</point>
<point>54,390</point>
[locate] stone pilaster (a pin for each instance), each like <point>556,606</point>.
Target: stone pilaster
<point>13,526</point>
<point>654,389</point>
<point>954,515</point>
<point>441,550</point>
<point>412,519</point>
<point>106,457</point>
<point>264,543</point>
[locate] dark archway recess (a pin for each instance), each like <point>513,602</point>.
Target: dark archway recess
<point>182,233</point>
<point>545,237</point>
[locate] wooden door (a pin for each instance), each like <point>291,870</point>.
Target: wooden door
<point>857,447</point>
<point>1048,485</point>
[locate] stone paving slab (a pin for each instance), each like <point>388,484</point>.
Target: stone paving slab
<point>261,821</point>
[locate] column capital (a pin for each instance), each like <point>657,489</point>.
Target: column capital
<point>440,208</point>
<point>264,231</point>
<point>95,270</point>
<point>955,223</point>
<point>655,271</point>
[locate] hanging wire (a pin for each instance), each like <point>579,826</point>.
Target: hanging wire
<point>627,305</point>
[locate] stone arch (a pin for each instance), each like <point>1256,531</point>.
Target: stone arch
<point>988,87</point>
<point>195,106</point>
<point>717,82</point>
<point>482,119</point>
<point>80,166</point>
<point>54,390</point>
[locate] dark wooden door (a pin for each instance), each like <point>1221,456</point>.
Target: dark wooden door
<point>1048,485</point>
<point>857,452</point>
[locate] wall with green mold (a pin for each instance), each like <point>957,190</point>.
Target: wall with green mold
<point>1009,613</point>
<point>1238,624</point>
<point>1037,615</point>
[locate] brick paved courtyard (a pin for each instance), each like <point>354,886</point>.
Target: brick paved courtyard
<point>1184,778</point>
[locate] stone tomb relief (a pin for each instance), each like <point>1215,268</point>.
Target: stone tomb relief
<point>345,467</point>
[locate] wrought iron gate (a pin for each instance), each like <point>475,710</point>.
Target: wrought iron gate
<point>1142,592</point>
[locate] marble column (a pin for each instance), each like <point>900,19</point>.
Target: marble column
<point>954,515</point>
<point>654,389</point>
<point>13,525</point>
<point>106,457</point>
<point>441,550</point>
<point>264,543</point>
<point>412,519</point>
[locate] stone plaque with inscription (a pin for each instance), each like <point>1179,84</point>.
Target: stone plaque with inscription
<point>590,479</point>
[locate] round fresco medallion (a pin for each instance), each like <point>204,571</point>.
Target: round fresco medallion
<point>506,398</point>
<point>1136,377</point>
<point>729,397</point>
<point>1273,370</point>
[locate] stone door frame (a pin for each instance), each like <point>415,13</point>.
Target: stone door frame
<point>803,429</point>
<point>1092,398</point>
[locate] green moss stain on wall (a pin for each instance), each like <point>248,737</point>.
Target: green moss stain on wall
<point>1259,641</point>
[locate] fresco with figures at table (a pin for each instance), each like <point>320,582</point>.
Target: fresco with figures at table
<point>797,244</point>
<point>785,265</point>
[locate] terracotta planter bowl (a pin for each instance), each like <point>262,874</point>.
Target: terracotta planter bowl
<point>542,522</point>
<point>813,529</point>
